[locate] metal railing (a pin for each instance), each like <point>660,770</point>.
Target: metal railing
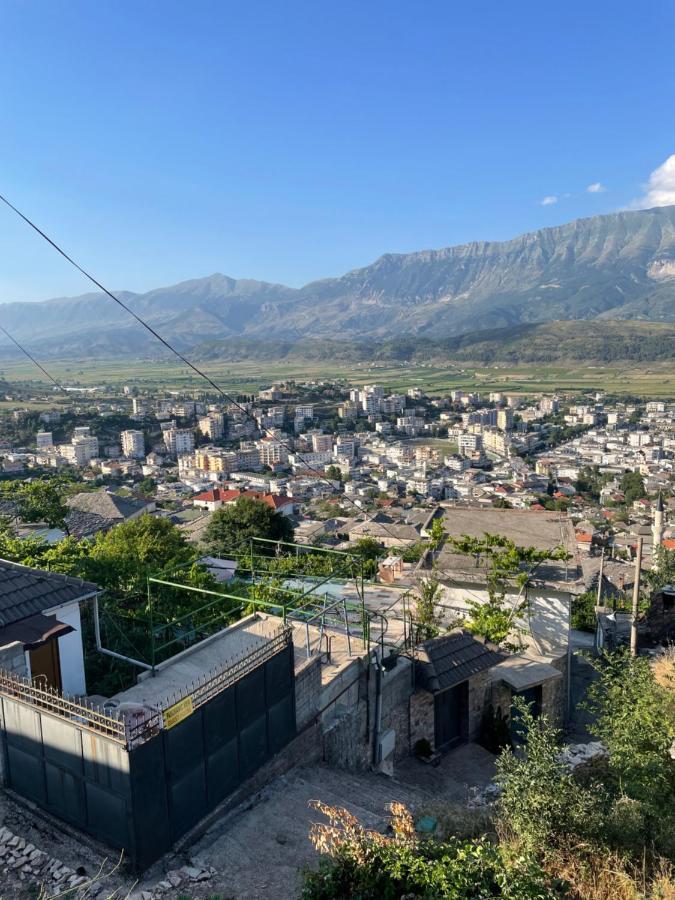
<point>217,680</point>
<point>84,714</point>
<point>131,727</point>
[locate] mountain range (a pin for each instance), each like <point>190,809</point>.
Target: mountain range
<point>611,267</point>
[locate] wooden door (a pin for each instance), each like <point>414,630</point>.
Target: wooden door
<point>45,665</point>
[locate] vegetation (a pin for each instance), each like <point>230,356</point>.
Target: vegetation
<point>603,833</point>
<point>232,527</point>
<point>371,866</point>
<point>583,616</point>
<point>632,486</point>
<point>509,570</point>
<point>427,619</point>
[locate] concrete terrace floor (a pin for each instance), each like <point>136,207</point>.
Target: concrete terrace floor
<point>259,852</point>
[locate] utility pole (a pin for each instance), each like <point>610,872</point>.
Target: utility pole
<point>602,567</point>
<point>636,597</point>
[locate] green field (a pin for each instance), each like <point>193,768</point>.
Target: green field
<point>645,380</point>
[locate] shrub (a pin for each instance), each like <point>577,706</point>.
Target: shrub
<point>372,866</point>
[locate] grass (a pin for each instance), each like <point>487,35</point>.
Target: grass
<point>647,380</point>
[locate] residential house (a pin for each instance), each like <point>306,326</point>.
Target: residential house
<point>40,627</point>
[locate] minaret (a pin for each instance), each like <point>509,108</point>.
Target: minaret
<point>657,529</point>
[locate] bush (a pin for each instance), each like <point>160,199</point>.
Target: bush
<point>583,612</point>
<point>372,866</point>
<point>495,730</point>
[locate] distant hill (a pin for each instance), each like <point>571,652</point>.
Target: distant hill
<point>599,341</point>
<point>614,267</point>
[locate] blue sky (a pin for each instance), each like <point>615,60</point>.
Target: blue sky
<point>159,141</point>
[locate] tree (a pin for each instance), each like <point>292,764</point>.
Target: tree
<point>147,486</point>
<point>40,501</point>
<point>437,533</point>
<point>122,559</point>
<point>633,717</point>
<point>369,550</point>
<point>334,473</point>
<point>427,619</point>
<point>231,527</point>
<point>509,569</point>
<point>632,486</point>
<point>540,800</point>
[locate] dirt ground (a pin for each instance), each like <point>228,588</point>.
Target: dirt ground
<point>258,850</point>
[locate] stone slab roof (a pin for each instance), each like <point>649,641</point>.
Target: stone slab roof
<point>25,591</point>
<point>453,658</point>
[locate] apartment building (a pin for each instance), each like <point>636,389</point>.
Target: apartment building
<point>212,426</point>
<point>179,440</point>
<point>133,444</point>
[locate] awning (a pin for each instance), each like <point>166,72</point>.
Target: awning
<point>521,673</point>
<point>33,631</point>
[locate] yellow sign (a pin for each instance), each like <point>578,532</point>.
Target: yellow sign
<point>174,714</point>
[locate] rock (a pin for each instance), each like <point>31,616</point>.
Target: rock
<point>174,878</point>
<point>192,872</point>
<point>13,841</point>
<point>204,875</point>
<point>146,895</point>
<point>163,886</point>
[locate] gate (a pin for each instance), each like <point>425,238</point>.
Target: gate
<point>142,788</point>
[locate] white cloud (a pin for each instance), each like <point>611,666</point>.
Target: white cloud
<point>660,189</point>
<point>549,201</point>
<point>596,188</point>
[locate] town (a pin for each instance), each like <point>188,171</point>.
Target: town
<point>376,580</point>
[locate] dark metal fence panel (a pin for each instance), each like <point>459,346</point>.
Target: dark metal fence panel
<point>152,832</point>
<point>74,773</point>
<point>143,796</point>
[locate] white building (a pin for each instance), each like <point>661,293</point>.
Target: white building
<point>133,444</point>
<point>213,426</point>
<point>179,441</point>
<point>44,440</point>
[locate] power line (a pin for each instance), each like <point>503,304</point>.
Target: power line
<point>176,353</point>
<point>31,358</point>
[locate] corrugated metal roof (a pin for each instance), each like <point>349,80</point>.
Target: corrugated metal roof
<point>453,658</point>
<point>25,591</point>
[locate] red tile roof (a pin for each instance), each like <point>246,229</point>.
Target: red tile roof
<point>217,494</point>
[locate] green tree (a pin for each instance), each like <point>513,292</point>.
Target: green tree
<point>633,717</point>
<point>231,527</point>
<point>437,533</point>
<point>40,501</point>
<point>334,473</point>
<point>540,800</point>
<point>632,486</point>
<point>509,569</point>
<point>122,559</point>
<point>147,486</point>
<point>370,551</point>
<point>427,617</point>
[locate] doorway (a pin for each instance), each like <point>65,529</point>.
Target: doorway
<point>533,698</point>
<point>45,665</point>
<point>451,708</point>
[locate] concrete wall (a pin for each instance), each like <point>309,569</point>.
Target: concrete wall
<point>547,620</point>
<point>70,650</point>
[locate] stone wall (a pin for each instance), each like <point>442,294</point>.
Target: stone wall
<point>479,700</point>
<point>422,718</point>
<point>349,725</point>
<point>307,691</point>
